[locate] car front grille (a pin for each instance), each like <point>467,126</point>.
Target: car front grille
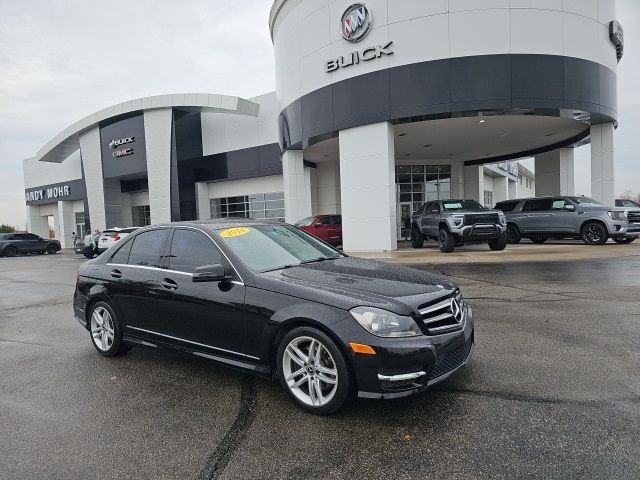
<point>443,315</point>
<point>452,359</point>
<point>633,217</point>
<point>474,219</point>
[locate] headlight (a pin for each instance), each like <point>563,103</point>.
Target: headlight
<point>457,220</point>
<point>385,324</point>
<point>617,215</point>
<point>503,218</point>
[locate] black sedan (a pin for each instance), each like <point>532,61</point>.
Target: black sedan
<point>268,298</point>
<point>13,243</point>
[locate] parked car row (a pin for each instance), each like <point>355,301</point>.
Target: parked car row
<point>12,244</point>
<point>107,238</point>
<point>539,219</point>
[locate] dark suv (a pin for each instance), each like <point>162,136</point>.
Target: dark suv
<point>14,243</point>
<point>452,223</point>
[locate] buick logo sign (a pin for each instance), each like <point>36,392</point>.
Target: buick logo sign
<point>121,141</point>
<point>456,310</point>
<point>355,22</point>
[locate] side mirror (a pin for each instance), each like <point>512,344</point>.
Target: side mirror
<point>211,273</point>
<point>570,208</point>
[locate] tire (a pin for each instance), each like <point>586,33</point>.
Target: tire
<point>292,352</point>
<point>624,240</point>
<point>593,233</point>
<point>513,234</point>
<point>417,239</point>
<point>41,252</point>
<point>498,244</point>
<point>447,241</point>
<point>51,250</point>
<point>108,342</point>
<point>10,251</point>
<point>539,240</point>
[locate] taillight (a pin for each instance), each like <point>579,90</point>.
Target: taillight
<point>116,238</point>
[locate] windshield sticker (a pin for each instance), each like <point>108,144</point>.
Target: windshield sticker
<point>234,232</point>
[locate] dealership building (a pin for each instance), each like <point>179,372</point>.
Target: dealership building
<point>379,107</point>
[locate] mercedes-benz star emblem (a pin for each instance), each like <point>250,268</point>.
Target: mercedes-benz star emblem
<point>456,310</point>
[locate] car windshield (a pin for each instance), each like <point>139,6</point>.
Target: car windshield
<point>305,222</point>
<point>271,247</point>
<point>450,205</point>
<point>587,202</point>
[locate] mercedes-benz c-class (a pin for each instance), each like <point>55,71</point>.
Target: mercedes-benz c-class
<point>268,298</point>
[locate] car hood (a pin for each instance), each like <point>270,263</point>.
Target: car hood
<point>349,282</point>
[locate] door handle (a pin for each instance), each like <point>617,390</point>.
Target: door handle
<point>115,273</point>
<point>169,284</point>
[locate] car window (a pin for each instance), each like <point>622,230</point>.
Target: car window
<point>147,248</point>
<point>559,204</point>
<point>305,222</point>
<point>422,209</point>
<point>191,249</point>
<point>122,255</point>
<point>434,208</point>
<point>629,204</point>
<point>336,219</point>
<point>507,206</point>
<point>19,236</point>
<point>587,202</point>
<point>538,205</point>
<point>325,220</point>
<point>451,205</point>
<point>32,236</point>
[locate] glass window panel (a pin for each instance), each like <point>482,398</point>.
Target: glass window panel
<point>147,248</point>
<point>279,213</point>
<point>431,169</point>
<point>444,169</point>
<point>274,196</point>
<point>418,187</point>
<point>404,178</point>
<point>405,197</point>
<point>405,189</point>
<point>275,204</point>
<point>190,250</point>
<point>417,169</point>
<point>418,197</point>
<point>417,178</point>
<point>403,169</point>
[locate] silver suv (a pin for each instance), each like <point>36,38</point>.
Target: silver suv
<point>569,217</point>
<point>452,223</point>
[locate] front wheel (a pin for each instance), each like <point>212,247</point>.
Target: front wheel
<point>51,249</point>
<point>624,240</point>
<point>417,239</point>
<point>10,251</point>
<point>313,371</point>
<point>513,234</point>
<point>106,330</point>
<point>594,234</point>
<point>447,241</point>
<point>498,244</point>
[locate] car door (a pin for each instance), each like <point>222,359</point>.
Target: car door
<point>334,230</point>
<point>132,276</point>
<point>535,215</point>
<point>202,314</point>
<point>563,217</point>
<point>431,219</point>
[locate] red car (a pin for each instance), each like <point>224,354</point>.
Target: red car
<point>325,227</point>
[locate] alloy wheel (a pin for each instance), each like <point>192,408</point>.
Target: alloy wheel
<point>310,371</point>
<point>102,330</point>
<point>442,237</point>
<point>593,233</point>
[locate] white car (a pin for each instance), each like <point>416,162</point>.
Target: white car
<point>111,236</point>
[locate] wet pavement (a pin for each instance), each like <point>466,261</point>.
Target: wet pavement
<point>552,391</point>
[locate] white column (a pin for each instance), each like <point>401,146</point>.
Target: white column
<point>474,183</point>
<point>513,189</point>
<point>157,137</point>
<point>92,165</point>
<point>602,163</point>
<point>457,179</point>
<point>555,172</point>
<point>203,204</point>
<point>65,224</point>
<point>500,189</point>
<point>36,223</point>
<point>368,188</point>
<point>297,188</point>
<point>328,182</point>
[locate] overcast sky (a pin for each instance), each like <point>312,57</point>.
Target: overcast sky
<point>63,60</point>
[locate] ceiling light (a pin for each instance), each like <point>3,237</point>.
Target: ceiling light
<point>450,154</point>
<point>402,135</point>
<point>426,146</point>
<point>407,154</point>
<point>549,134</point>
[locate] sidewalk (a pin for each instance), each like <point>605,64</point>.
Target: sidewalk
<point>524,252</point>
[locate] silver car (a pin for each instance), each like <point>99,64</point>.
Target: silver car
<point>569,217</point>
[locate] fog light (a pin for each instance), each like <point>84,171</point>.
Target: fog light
<point>360,348</point>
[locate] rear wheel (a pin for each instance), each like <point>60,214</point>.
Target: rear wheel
<point>498,244</point>
<point>624,240</point>
<point>106,330</point>
<point>539,240</point>
<point>417,239</point>
<point>51,249</point>
<point>447,241</point>
<point>10,251</point>
<point>313,371</point>
<point>513,234</point>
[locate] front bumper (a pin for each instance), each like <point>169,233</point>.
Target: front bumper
<point>406,366</point>
<point>478,232</point>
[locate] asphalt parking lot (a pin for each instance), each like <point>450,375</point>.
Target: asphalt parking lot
<point>553,391</point>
